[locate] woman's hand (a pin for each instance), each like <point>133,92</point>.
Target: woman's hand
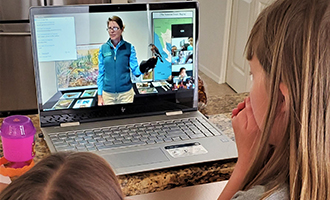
<point>100,100</point>
<point>246,131</point>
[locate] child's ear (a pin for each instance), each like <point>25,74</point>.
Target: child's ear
<point>285,97</point>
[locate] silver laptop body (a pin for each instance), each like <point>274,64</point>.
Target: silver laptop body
<point>162,128</point>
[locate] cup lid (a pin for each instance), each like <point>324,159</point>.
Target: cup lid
<point>17,126</point>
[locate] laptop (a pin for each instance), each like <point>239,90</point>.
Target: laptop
<point>162,127</point>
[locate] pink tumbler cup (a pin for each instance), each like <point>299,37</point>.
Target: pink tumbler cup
<point>17,135</point>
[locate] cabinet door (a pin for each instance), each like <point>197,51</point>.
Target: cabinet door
<point>17,87</point>
<point>244,14</point>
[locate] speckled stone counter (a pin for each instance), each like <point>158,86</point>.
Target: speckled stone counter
<point>159,180</point>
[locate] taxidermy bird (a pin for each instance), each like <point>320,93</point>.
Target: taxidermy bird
<point>155,51</point>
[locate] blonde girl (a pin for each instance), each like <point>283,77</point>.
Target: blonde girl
<point>283,128</point>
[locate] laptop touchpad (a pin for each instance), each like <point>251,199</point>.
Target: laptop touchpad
<point>135,158</point>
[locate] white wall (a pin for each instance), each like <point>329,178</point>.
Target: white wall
<point>214,37</point>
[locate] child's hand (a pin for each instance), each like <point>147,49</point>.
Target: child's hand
<point>246,131</point>
<point>235,111</point>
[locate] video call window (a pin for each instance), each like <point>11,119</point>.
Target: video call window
<point>68,47</point>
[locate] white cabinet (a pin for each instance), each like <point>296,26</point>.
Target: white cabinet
<point>244,14</point>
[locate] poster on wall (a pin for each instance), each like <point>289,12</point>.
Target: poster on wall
<point>80,73</point>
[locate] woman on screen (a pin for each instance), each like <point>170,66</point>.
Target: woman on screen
<point>117,58</point>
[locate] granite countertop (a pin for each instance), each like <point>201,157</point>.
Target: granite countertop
<point>158,180</point>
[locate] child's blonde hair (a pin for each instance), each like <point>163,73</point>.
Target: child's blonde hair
<point>291,39</point>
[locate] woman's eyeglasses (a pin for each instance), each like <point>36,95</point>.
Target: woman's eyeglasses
<point>112,28</point>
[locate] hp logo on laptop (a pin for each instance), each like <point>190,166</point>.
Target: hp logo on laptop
<point>123,109</point>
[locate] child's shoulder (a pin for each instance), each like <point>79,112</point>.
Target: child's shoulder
<point>281,193</point>
<point>256,192</point>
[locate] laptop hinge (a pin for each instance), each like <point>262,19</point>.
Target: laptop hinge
<point>70,124</point>
<point>179,112</point>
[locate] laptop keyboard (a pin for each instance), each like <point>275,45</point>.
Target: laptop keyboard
<point>133,135</point>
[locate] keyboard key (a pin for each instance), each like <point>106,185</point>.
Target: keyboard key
<point>106,136</point>
<point>90,133</point>
<point>161,136</point>
<point>176,138</point>
<point>115,135</point>
<point>154,133</point>
<point>83,142</point>
<point>60,144</point>
<point>53,137</point>
<point>81,149</point>
<point>71,135</point>
<point>62,137</point>
<point>73,143</point>
<point>168,140</point>
<point>70,140</point>
<point>92,141</point>
<point>136,136</point>
<point>120,145</point>
<point>150,141</point>
<point>89,145</point>
<point>152,137</point>
<point>96,137</point>
<point>91,149</point>
<point>101,140</point>
<point>110,139</point>
<point>104,129</point>
<point>79,139</point>
<point>102,148</point>
<point>123,134</point>
<point>128,137</point>
<point>135,140</point>
<point>176,133</point>
<point>144,139</point>
<point>98,144</point>
<point>208,134</point>
<point>81,134</point>
<point>68,148</point>
<point>127,141</point>
<point>184,137</point>
<point>197,136</point>
<point>215,132</point>
<point>55,141</point>
<point>159,141</point>
<point>119,138</point>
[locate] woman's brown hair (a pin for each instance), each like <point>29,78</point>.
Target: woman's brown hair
<point>291,39</point>
<point>66,175</point>
<point>117,20</point>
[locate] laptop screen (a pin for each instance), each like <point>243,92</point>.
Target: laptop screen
<point>88,68</point>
